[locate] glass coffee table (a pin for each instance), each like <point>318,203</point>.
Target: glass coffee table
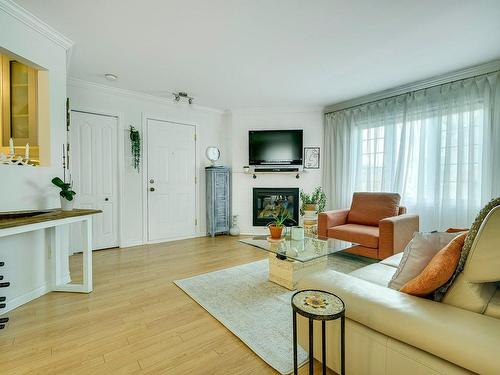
<point>291,260</point>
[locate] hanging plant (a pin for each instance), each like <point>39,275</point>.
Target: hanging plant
<point>135,143</point>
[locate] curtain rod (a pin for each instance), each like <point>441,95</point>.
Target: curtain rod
<point>488,68</point>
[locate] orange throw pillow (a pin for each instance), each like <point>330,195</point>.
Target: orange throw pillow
<point>455,230</point>
<point>438,271</point>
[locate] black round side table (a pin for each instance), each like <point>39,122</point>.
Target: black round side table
<point>323,306</point>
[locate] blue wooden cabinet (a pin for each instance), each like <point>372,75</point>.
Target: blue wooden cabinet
<point>218,180</point>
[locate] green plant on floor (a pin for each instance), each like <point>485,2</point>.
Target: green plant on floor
<point>66,191</point>
<point>135,144</point>
<point>318,197</point>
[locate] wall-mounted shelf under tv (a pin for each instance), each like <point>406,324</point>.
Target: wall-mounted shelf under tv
<point>292,170</point>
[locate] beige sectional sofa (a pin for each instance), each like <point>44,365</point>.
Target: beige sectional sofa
<point>392,333</point>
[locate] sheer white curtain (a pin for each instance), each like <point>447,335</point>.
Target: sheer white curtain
<point>439,148</point>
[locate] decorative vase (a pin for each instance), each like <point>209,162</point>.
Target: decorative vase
<point>66,205</point>
<point>235,229</point>
<point>297,233</point>
<point>275,231</point>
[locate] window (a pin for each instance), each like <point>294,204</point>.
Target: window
<point>433,160</point>
<point>437,147</point>
<point>372,158</point>
<point>460,159</point>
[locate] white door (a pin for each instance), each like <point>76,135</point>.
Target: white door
<point>94,169</point>
<point>171,180</point>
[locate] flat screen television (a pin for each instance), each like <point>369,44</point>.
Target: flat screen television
<point>275,147</point>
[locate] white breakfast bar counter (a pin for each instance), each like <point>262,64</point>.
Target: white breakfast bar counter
<point>12,223</point>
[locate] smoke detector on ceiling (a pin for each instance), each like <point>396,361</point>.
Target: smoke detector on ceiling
<point>111,77</point>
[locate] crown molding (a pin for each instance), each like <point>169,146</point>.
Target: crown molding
<point>21,14</point>
<point>80,83</point>
<point>468,72</point>
<point>264,110</point>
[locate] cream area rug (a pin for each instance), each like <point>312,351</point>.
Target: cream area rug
<point>254,309</point>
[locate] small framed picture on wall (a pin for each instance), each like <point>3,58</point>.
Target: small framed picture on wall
<point>311,157</point>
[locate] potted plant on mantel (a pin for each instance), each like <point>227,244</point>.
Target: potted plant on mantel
<point>314,202</point>
<point>66,194</point>
<point>276,226</point>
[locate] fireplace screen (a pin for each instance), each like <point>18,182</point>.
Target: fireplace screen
<point>269,202</point>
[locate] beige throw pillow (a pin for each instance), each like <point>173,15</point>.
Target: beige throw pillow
<point>417,254</point>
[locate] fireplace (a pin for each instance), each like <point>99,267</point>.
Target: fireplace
<point>268,202</point>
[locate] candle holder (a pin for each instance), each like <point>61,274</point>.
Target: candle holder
<point>15,160</point>
<point>11,159</point>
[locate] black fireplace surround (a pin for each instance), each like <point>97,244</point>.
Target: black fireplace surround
<point>268,202</point>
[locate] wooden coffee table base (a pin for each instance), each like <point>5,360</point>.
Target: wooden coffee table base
<point>288,273</point>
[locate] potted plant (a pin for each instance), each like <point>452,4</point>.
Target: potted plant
<point>276,226</point>
<point>66,194</point>
<point>314,202</point>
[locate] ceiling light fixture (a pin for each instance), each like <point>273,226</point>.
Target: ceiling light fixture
<point>184,95</point>
<point>111,77</point>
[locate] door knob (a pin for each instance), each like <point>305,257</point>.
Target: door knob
<point>152,189</point>
<point>106,199</point>
<point>152,181</point>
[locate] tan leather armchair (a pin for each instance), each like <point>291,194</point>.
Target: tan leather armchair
<point>375,221</point>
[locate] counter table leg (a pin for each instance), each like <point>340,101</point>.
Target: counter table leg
<point>56,253</point>
<point>87,256</point>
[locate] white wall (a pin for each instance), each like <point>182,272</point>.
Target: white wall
<point>26,255</point>
<point>30,188</point>
<point>239,123</point>
<point>132,109</point>
<point>228,131</point>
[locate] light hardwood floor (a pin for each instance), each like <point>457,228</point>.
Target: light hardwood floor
<point>136,321</point>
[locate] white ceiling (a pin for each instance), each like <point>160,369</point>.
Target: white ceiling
<point>271,53</point>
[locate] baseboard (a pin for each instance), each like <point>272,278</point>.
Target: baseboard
<point>197,235</point>
<point>140,242</point>
<point>11,304</point>
<point>131,243</point>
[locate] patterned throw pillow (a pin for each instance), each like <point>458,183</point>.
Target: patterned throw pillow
<point>469,240</point>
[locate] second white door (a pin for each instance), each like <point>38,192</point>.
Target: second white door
<point>95,173</point>
<point>171,180</point>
